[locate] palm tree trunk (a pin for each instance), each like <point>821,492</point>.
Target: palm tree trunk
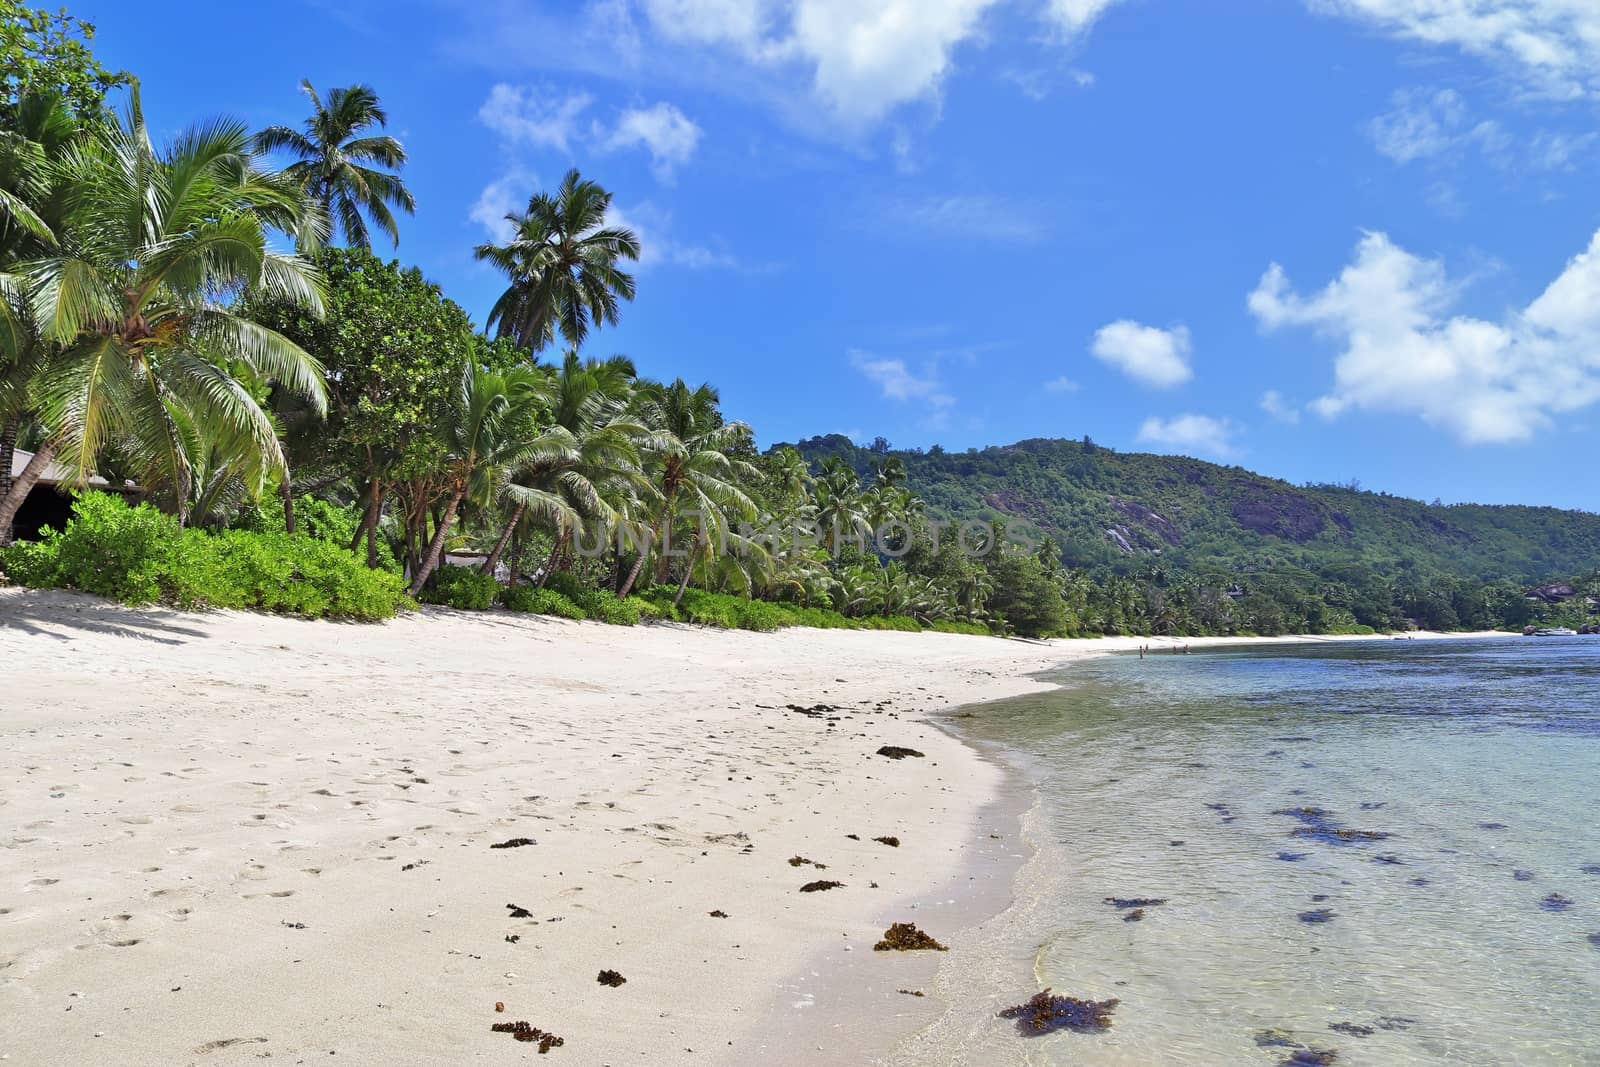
<point>372,525</point>
<point>555,557</point>
<point>20,488</point>
<point>430,559</point>
<point>8,452</point>
<point>638,564</point>
<point>688,568</point>
<point>287,489</point>
<point>366,513</point>
<point>505,536</point>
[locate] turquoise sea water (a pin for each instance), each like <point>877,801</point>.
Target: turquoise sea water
<point>1241,787</point>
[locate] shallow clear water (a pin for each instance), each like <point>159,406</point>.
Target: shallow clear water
<point>1178,777</point>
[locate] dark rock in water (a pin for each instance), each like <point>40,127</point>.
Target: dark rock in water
<point>1175,844</point>
<point>1311,1057</point>
<point>820,886</point>
<point>1594,939</point>
<point>1045,1014</point>
<point>1275,1039</point>
<point>611,978</point>
<point>1135,902</point>
<point>1419,882</point>
<point>1590,868</point>
<point>1353,1029</point>
<point>1313,918</point>
<point>1555,902</point>
<point>1318,898</point>
<point>516,842</point>
<point>1493,826</point>
<point>896,752</point>
<point>1522,876</point>
<point>905,937</point>
<point>1293,857</point>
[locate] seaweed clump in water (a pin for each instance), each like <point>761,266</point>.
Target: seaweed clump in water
<point>1320,915</point>
<point>820,886</point>
<point>610,978</point>
<point>1594,939</point>
<point>1352,1029</point>
<point>1311,1057</point>
<point>1045,1014</point>
<point>905,937</point>
<point>524,1031</point>
<point>1319,825</point>
<point>1555,902</point>
<point>1135,902</point>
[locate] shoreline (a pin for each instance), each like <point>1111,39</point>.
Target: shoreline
<point>321,799</point>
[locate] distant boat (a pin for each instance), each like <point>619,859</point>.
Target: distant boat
<point>1555,631</point>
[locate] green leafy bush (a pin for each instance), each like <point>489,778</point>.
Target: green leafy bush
<point>461,587</point>
<point>535,601</point>
<point>139,555</point>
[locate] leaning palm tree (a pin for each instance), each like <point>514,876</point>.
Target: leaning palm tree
<point>690,470</point>
<point>562,260</point>
<point>338,159</point>
<point>137,303</point>
<point>487,433</point>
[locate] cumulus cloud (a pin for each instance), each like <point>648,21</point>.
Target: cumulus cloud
<point>1075,17</point>
<point>498,199</point>
<point>1405,351</point>
<point>1279,409</point>
<point>1426,123</point>
<point>1199,435</point>
<point>1151,356</point>
<point>897,381</point>
<point>1553,46</point>
<point>538,118</point>
<point>662,130</point>
<point>528,116</point>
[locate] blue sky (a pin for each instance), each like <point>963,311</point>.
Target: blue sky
<point>1323,239</point>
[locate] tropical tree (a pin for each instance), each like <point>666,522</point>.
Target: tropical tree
<point>563,262</point>
<point>687,462</point>
<point>343,165</point>
<point>487,432</point>
<point>137,302</point>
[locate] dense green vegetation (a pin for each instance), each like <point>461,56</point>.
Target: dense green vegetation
<point>321,431</point>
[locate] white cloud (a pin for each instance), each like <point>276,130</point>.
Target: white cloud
<point>498,199</point>
<point>1553,46</point>
<point>1559,151</point>
<point>1427,123</point>
<point>657,246</point>
<point>1405,352</point>
<point>528,116</point>
<point>1062,384</point>
<point>1076,17</point>
<point>864,57</point>
<point>983,218</point>
<point>898,382</point>
<point>1199,435</point>
<point>1149,355</point>
<point>663,130</point>
<point>1279,409</point>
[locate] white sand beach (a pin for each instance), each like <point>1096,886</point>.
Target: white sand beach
<point>233,837</point>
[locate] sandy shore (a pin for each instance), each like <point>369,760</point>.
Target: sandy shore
<point>230,836</point>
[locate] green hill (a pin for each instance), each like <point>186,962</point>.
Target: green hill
<point>1126,512</point>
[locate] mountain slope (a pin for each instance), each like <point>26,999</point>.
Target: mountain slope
<point>1125,511</point>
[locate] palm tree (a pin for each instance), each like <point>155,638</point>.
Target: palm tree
<point>134,303</point>
<point>689,467</point>
<point>600,465</point>
<point>486,435</point>
<point>337,161</point>
<point>563,261</point>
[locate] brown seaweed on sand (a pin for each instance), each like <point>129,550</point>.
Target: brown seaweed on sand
<point>896,752</point>
<point>524,1031</point>
<point>891,841</point>
<point>515,842</point>
<point>610,978</point>
<point>718,914</point>
<point>801,861</point>
<point>820,886</point>
<point>905,937</point>
<point>519,913</point>
<point>1045,1014</point>
<point>911,992</point>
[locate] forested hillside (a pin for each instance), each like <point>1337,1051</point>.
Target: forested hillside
<point>1121,513</point>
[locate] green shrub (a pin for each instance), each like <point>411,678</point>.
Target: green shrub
<point>535,601</point>
<point>461,587</point>
<point>140,556</point>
